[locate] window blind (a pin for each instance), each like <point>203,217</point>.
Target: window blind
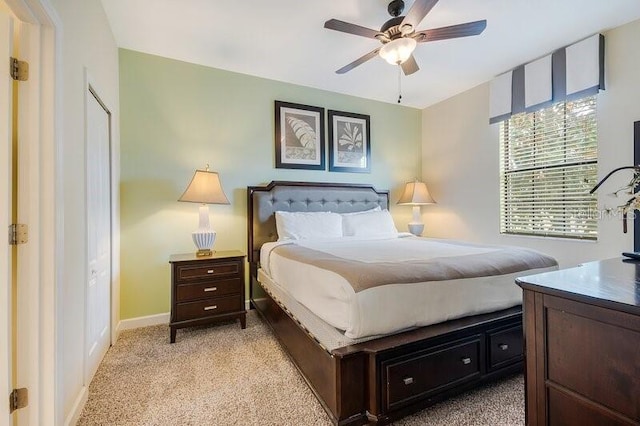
<point>548,164</point>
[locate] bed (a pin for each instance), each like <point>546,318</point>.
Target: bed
<point>364,361</point>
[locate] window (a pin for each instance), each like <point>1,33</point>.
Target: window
<point>548,164</point>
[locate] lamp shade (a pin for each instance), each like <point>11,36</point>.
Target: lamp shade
<point>205,188</point>
<point>416,194</point>
<point>398,51</point>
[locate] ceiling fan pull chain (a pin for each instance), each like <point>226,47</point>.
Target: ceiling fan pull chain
<point>399,83</point>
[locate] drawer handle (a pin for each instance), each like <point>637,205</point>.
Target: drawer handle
<point>210,271</point>
<point>408,380</point>
<point>210,308</point>
<point>211,289</point>
<point>503,346</point>
<point>466,361</point>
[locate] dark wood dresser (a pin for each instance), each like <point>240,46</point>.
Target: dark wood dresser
<point>206,289</point>
<point>582,345</point>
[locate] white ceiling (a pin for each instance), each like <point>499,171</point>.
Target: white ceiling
<point>285,39</point>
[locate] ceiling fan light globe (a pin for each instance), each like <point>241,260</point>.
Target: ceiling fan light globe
<point>398,51</point>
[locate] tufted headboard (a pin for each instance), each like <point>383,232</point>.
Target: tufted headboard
<point>264,201</point>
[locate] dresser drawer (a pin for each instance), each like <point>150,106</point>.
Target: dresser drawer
<point>208,307</point>
<point>408,379</point>
<point>200,271</point>
<point>595,359</point>
<point>505,346</point>
<point>209,289</point>
<point>567,410</point>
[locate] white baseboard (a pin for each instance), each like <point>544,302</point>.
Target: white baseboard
<point>247,305</point>
<point>139,322</point>
<point>73,417</point>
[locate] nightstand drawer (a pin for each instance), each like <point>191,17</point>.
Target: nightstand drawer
<point>213,288</point>
<point>208,307</point>
<point>194,272</point>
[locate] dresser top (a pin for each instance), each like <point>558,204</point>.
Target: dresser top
<point>220,254</point>
<point>611,282</point>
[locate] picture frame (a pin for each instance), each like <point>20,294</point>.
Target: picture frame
<point>349,142</point>
<point>299,136</point>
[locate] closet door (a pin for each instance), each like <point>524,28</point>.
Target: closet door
<point>98,292</point>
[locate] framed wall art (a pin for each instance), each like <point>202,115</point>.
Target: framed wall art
<point>349,142</point>
<point>299,138</point>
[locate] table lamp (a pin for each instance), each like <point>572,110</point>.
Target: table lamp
<point>416,194</point>
<point>204,188</point>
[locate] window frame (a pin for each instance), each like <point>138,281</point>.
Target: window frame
<point>510,223</point>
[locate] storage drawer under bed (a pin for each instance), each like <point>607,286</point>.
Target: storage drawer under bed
<point>505,347</point>
<point>414,377</point>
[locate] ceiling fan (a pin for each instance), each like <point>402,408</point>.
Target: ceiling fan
<point>399,36</point>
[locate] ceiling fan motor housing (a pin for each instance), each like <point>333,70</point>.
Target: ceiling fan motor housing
<point>390,24</point>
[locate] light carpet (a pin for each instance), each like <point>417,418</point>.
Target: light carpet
<point>222,375</point>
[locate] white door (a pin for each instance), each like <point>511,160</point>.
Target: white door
<point>99,234</point>
<point>6,202</point>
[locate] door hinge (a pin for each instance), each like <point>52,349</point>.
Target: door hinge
<point>18,234</point>
<point>19,69</point>
<point>19,398</point>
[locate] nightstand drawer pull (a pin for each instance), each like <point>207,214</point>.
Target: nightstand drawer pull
<point>408,380</point>
<point>503,346</point>
<point>210,308</point>
<point>211,289</point>
<point>210,271</point>
<point>466,361</point>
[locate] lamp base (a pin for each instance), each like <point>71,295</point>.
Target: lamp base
<point>416,228</point>
<point>204,241</point>
<point>204,253</point>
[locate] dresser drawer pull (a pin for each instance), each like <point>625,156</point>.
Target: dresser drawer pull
<point>503,346</point>
<point>211,289</point>
<point>210,308</point>
<point>408,380</point>
<point>210,271</point>
<point>466,361</point>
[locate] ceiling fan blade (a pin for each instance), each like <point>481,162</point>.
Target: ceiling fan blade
<point>345,27</point>
<point>358,61</point>
<point>418,11</point>
<point>454,31</point>
<point>410,66</point>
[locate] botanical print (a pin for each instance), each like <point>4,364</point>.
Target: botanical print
<point>301,143</point>
<point>349,142</point>
<point>299,138</point>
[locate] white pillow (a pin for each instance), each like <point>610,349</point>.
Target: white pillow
<point>369,224</point>
<point>375,209</point>
<point>308,225</point>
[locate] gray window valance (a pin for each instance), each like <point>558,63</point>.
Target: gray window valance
<point>570,73</point>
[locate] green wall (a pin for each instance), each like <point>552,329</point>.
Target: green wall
<point>176,117</point>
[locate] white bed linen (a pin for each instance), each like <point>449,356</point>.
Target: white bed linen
<point>388,308</point>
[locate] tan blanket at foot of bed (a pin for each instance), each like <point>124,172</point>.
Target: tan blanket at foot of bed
<point>496,260</point>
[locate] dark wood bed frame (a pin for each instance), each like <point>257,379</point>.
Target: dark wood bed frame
<point>384,379</point>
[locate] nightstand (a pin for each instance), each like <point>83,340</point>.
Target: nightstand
<point>207,289</point>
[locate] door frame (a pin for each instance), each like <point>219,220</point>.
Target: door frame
<point>91,89</point>
<point>44,211</point>
<point>6,264</point>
